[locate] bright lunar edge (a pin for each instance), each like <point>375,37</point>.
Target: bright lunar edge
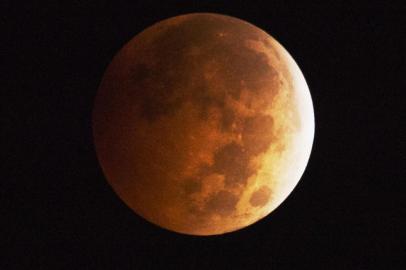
<point>203,124</point>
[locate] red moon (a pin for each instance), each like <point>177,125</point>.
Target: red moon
<point>203,124</point>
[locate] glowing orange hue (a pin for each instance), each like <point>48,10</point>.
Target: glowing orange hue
<point>203,124</point>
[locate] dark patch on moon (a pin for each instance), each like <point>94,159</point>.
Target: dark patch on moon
<point>192,185</point>
<point>204,100</point>
<point>233,162</point>
<point>156,90</point>
<point>176,76</point>
<point>257,133</point>
<point>260,197</point>
<point>227,120</point>
<point>242,63</point>
<point>222,203</point>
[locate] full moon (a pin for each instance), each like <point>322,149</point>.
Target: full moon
<point>203,124</point>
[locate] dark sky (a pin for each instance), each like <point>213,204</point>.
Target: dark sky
<point>59,212</point>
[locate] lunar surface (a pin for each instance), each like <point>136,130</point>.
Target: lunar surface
<point>203,124</point>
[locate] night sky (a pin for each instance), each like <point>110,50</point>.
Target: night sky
<point>58,211</point>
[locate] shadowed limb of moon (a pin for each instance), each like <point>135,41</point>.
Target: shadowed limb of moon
<point>203,124</point>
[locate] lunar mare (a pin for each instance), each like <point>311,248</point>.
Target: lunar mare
<point>203,124</point>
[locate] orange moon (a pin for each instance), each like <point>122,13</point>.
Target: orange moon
<point>203,124</point>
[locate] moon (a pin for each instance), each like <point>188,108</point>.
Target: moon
<point>203,124</point>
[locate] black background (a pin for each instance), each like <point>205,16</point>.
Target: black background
<point>59,212</point>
